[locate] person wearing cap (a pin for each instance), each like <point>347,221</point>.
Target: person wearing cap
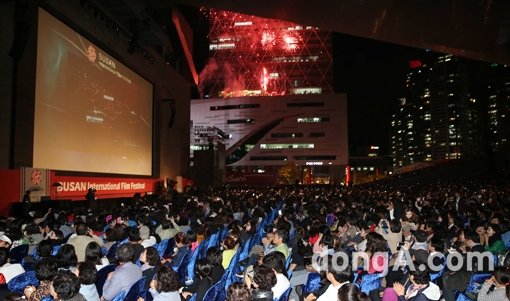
<point>5,242</point>
<point>147,239</point>
<point>7,269</point>
<point>83,237</point>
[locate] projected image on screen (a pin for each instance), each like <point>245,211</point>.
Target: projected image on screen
<point>92,113</point>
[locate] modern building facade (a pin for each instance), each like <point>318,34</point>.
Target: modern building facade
<point>253,56</point>
<point>437,118</point>
<point>262,134</point>
<point>499,108</point>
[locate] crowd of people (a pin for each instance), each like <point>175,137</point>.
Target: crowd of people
<point>307,252</point>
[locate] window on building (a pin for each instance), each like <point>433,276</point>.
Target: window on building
<point>268,158</point>
<point>241,121</point>
<point>234,107</point>
<point>286,145</point>
<point>286,135</point>
<point>312,119</point>
<point>304,104</point>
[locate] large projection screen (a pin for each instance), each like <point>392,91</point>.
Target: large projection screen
<point>92,113</point>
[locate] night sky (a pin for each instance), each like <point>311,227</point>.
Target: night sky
<point>372,73</point>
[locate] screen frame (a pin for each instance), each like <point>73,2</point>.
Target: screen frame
<point>107,50</point>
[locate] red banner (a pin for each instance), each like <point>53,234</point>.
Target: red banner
<point>75,188</point>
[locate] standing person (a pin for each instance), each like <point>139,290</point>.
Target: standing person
<point>91,195</point>
<point>125,275</point>
<point>26,202</point>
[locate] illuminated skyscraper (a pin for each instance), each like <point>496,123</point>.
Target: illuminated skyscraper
<point>437,119</point>
<point>251,56</point>
<point>499,107</point>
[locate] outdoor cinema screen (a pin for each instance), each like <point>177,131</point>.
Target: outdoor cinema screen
<point>92,113</point>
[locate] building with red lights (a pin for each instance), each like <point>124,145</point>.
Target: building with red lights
<point>253,56</point>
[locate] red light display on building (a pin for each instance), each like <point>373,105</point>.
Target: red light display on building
<point>415,64</point>
<point>250,56</point>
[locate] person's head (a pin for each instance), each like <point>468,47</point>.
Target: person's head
<point>480,229</point>
<point>395,226</point>
<point>419,276</point>
<point>376,243</point>
<point>409,214</point>
<point>144,232</point>
<point>124,253</point>
<point>420,236</point>
<point>181,240</point>
<point>214,256</point>
<point>280,237</point>
<point>203,268</point>
<point>81,228</point>
<point>436,244</point>
<point>150,256</point>
<point>230,242</point>
<point>5,241</point>
<point>93,253</point>
<point>472,238</point>
<point>134,235</point>
<point>64,286</point>
<point>4,256</point>
<point>87,273</point>
<point>502,275</point>
<point>390,205</point>
<point>237,291</point>
<point>57,236</point>
<point>494,233</point>
<point>168,280</point>
<point>250,226</point>
<point>66,256</point>
<point>337,271</point>
<point>46,269</point>
<point>166,224</point>
<point>275,261</point>
<point>350,292</point>
<point>264,278</point>
<point>497,219</point>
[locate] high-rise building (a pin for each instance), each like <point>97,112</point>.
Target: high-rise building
<point>499,107</point>
<point>253,56</point>
<point>437,118</point>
